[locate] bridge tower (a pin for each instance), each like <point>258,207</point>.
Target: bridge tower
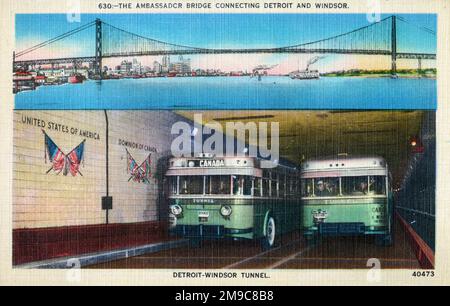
<point>394,45</point>
<point>98,49</point>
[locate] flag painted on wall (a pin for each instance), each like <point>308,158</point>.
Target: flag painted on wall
<point>61,162</point>
<point>139,173</point>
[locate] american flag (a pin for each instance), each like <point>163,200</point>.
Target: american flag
<point>62,162</point>
<point>56,156</point>
<point>74,158</point>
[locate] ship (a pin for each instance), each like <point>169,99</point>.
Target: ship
<point>76,79</point>
<point>304,74</point>
<point>22,81</point>
<point>307,74</point>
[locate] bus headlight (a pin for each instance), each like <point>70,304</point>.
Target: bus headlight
<point>176,210</point>
<point>226,211</point>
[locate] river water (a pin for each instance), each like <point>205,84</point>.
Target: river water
<point>205,93</point>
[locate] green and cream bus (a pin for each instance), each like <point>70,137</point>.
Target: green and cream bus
<point>347,196</point>
<point>232,197</point>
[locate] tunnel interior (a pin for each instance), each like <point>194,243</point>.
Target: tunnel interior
<point>405,139</point>
<point>312,134</point>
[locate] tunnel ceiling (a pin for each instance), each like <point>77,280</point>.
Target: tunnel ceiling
<point>310,134</point>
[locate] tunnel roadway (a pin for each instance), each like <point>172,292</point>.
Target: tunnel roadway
<point>292,253</point>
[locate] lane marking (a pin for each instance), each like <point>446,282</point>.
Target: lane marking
<point>236,264</point>
<point>291,257</point>
<point>189,257</point>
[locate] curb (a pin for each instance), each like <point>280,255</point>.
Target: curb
<point>80,261</point>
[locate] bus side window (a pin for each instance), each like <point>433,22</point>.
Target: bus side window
<point>247,185</point>
<point>297,187</point>
<point>174,185</point>
<point>307,187</point>
<point>266,188</point>
<point>274,188</point>
<point>377,185</point>
<point>236,185</point>
<point>290,187</point>
<point>257,191</point>
<point>282,185</point>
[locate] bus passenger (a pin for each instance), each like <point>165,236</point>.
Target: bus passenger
<point>238,183</point>
<point>330,188</point>
<point>362,188</point>
<point>223,188</point>
<point>321,190</point>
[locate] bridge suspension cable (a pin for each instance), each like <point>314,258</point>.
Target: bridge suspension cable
<point>371,39</point>
<point>55,39</point>
<point>365,39</point>
<point>425,29</point>
<point>117,41</point>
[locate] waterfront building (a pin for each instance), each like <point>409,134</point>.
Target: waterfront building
<point>183,66</point>
<point>165,63</point>
<point>126,67</point>
<point>157,67</point>
<point>63,72</point>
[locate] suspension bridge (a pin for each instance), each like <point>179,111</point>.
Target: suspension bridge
<point>380,38</point>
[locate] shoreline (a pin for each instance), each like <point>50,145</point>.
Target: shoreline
<point>363,76</point>
<point>376,76</point>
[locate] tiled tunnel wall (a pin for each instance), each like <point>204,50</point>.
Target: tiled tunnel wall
<point>416,199</point>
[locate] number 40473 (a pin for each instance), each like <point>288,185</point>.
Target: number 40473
<point>423,274</point>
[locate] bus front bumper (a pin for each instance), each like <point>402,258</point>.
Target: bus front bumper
<point>210,232</point>
<point>344,229</point>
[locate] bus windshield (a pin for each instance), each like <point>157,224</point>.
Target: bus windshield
<point>218,184</point>
<point>191,184</point>
<point>215,185</point>
<point>327,187</point>
<point>344,186</point>
<point>273,185</point>
<point>242,185</point>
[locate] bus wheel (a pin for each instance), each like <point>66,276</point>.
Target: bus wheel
<point>270,234</point>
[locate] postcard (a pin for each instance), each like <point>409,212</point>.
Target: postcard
<point>226,143</point>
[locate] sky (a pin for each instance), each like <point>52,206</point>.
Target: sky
<point>227,31</point>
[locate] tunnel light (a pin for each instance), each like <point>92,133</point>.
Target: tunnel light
<point>416,145</point>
